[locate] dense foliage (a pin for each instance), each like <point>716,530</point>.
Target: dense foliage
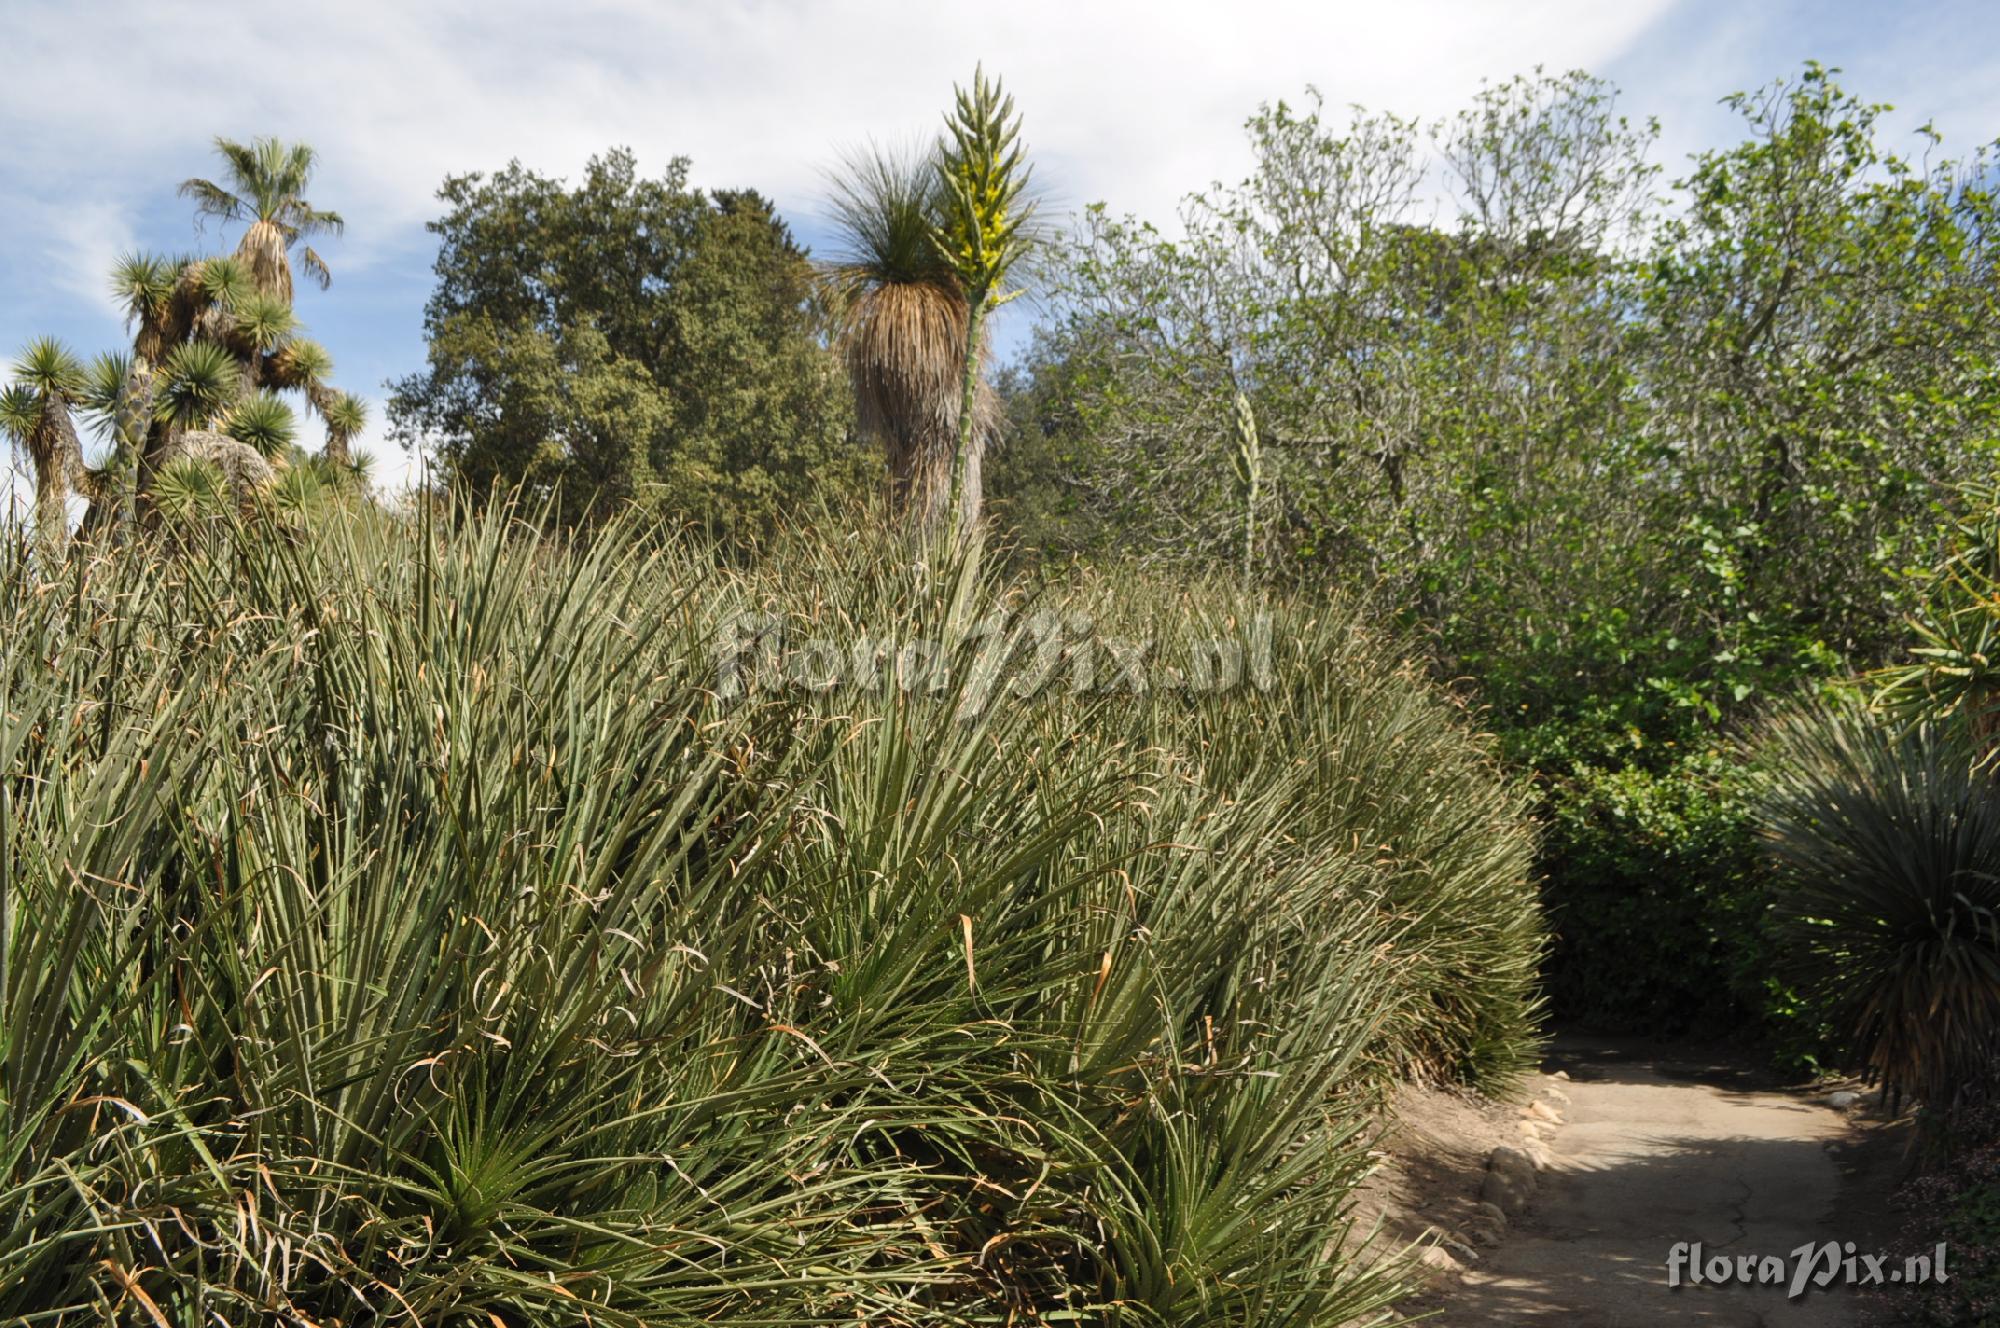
<point>628,341</point>
<point>1635,459</point>
<point>437,922</point>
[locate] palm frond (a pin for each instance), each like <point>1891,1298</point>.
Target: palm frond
<point>212,200</point>
<point>315,267</point>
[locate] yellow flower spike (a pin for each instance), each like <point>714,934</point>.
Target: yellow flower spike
<point>984,228</point>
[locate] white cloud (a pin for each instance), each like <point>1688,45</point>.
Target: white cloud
<point>1126,101</point>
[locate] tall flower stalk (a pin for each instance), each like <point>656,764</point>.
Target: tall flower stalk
<point>982,233</point>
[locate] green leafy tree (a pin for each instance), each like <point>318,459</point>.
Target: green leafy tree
<point>627,341</point>
<point>1632,468</point>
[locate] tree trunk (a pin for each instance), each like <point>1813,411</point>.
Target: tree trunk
<point>51,507</point>
<point>964,467</point>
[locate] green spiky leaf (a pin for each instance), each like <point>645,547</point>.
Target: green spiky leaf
<point>264,422</point>
<point>196,384</point>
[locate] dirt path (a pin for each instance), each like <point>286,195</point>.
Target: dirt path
<point>1661,1148</point>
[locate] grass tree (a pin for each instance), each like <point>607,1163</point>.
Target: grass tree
<point>902,321</point>
<point>266,183</point>
<point>983,232</point>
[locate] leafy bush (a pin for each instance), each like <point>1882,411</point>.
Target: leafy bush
<point>1658,898</point>
<point>1886,841</point>
<point>422,923</point>
<point>1651,888</point>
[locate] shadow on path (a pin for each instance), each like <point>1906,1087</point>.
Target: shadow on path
<point>1664,1146</point>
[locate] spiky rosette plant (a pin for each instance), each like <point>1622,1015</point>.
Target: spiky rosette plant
<point>346,415</point>
<point>1886,838</point>
<point>197,384</point>
<point>262,323</point>
<point>407,925</point>
<point>224,282</point>
<point>302,365</point>
<point>144,286</point>
<point>264,422</point>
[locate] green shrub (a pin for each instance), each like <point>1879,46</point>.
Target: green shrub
<point>419,923</point>
<point>1658,898</point>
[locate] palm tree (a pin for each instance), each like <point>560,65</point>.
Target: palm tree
<point>267,185</point>
<point>35,413</point>
<point>902,325</point>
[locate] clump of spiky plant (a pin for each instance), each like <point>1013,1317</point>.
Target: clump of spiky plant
<point>1886,838</point>
<point>346,415</point>
<point>786,1003</point>
<point>197,384</point>
<point>264,422</point>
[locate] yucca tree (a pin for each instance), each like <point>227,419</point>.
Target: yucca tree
<point>117,399</point>
<point>35,412</point>
<point>346,415</point>
<point>266,185</point>
<point>983,234</point>
<point>144,286</point>
<point>902,323</point>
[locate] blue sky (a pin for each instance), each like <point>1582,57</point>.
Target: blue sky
<point>107,106</point>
